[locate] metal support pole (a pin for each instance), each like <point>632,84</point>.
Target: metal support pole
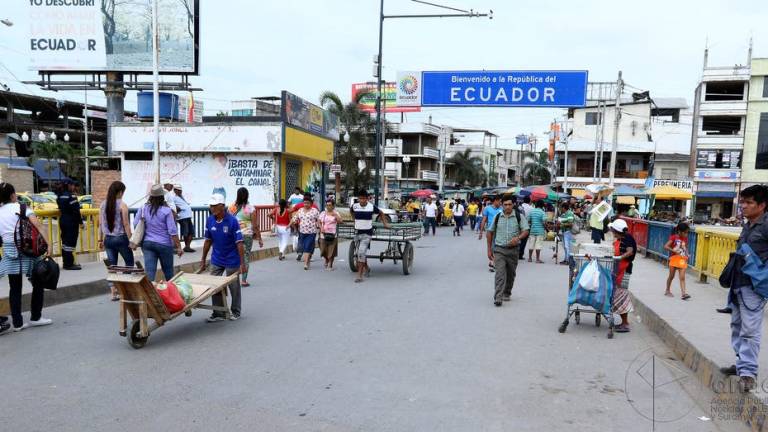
<point>564,131</point>
<point>379,132</point>
<point>156,91</point>
<point>616,122</point>
<point>602,143</point>
<point>87,161</point>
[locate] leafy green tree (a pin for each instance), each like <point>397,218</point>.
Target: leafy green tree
<point>469,169</point>
<point>359,126</point>
<point>536,170</point>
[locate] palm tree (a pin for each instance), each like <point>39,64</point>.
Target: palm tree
<point>359,125</point>
<point>537,170</point>
<point>469,169</point>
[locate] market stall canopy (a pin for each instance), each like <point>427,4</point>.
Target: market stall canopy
<point>580,194</point>
<point>630,191</point>
<point>542,193</point>
<point>423,193</point>
<point>667,192</point>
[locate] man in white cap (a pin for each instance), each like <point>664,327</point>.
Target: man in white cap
<point>222,232</point>
<point>170,197</point>
<point>186,228</point>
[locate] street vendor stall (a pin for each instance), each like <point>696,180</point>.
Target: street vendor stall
<point>671,207</point>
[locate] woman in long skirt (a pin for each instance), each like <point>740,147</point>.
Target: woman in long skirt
<point>624,247</point>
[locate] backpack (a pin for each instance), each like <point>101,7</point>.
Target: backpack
<point>26,236</point>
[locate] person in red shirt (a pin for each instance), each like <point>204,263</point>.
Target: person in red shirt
<point>677,246</point>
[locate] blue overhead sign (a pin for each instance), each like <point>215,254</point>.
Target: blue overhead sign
<point>504,88</point>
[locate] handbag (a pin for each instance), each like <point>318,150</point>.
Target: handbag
<point>329,237</point>
<point>137,237</point>
<point>726,276</point>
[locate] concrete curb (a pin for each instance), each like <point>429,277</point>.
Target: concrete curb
<point>751,409</point>
<point>70,293</point>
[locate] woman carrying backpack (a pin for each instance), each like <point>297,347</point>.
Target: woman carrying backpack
<point>115,228</point>
<point>16,265</point>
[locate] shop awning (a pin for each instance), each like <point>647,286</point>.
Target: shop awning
<point>715,194</point>
<point>624,199</point>
<point>667,192</point>
<point>629,191</point>
<point>48,170</point>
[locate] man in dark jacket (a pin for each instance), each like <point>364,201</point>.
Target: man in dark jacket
<point>746,304</point>
<point>69,223</point>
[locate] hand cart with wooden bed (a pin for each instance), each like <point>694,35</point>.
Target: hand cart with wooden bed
<point>399,238</point>
<point>140,300</point>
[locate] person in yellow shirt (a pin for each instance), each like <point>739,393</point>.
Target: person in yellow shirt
<point>472,213</point>
<point>413,207</point>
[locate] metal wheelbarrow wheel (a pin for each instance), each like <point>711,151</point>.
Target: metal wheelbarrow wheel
<point>352,258</point>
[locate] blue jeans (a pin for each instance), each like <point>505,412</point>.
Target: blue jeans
<point>746,328</point>
<point>567,243</point>
<point>115,245</point>
<point>154,251</point>
<point>430,222</point>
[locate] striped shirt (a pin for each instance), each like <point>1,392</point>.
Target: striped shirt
<point>364,217</point>
<point>536,220</point>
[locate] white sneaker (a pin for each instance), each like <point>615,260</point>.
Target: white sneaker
<point>23,326</point>
<point>41,322</point>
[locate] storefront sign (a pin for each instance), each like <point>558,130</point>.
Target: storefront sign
<point>717,175</point>
<point>203,138</point>
<point>202,175</point>
<point>493,88</point>
<point>305,115</point>
<point>685,185</point>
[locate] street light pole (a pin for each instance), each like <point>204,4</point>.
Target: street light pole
<point>156,90</point>
<point>379,127</point>
<point>379,132</point>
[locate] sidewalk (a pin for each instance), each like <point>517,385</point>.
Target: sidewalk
<point>90,281</point>
<point>698,335</point>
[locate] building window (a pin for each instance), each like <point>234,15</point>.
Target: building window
<point>668,172</point>
<point>721,125</point>
<point>761,161</point>
<point>724,91</point>
<point>765,86</point>
<point>593,118</point>
<point>729,159</point>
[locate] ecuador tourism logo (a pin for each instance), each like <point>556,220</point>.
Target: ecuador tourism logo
<point>409,84</point>
<point>409,89</point>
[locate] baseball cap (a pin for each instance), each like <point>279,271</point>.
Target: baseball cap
<point>618,225</point>
<point>177,186</point>
<point>216,199</point>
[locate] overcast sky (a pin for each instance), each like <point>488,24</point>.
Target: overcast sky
<point>259,47</point>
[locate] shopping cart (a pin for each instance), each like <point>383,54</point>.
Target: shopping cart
<point>601,306</point>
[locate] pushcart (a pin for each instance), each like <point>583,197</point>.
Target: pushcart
<point>399,238</point>
<point>575,309</point>
<point>140,300</point>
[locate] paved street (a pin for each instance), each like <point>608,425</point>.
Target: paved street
<point>314,351</point>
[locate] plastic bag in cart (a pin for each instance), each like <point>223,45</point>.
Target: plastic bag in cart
<point>600,300</point>
<point>589,276</point>
<point>185,289</point>
<point>170,296</point>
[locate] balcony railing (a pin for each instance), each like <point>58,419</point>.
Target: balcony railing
<point>391,151</point>
<point>430,152</point>
<point>606,174</point>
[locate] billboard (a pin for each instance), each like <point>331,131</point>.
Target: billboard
<point>112,35</point>
<point>201,175</point>
<point>493,88</point>
<point>305,115</point>
<point>193,139</point>
<point>367,102</point>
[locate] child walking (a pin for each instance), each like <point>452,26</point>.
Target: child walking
<point>677,245</point>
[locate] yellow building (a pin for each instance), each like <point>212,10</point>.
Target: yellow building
<point>301,163</point>
<point>754,164</point>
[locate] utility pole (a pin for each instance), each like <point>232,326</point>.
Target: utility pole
<point>156,91</point>
<point>616,122</point>
<point>564,131</point>
<point>602,143</point>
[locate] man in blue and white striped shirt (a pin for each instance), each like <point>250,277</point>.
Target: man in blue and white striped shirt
<point>362,212</point>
